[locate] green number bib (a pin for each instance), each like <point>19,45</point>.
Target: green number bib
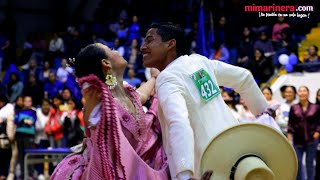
<point>207,88</point>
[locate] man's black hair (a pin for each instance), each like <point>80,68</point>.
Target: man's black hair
<point>169,31</point>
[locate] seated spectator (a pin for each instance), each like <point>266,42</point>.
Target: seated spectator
<point>56,46</point>
<point>245,50</point>
<point>134,30</point>
<point>31,68</point>
<point>14,87</point>
<point>44,72</point>
<point>261,67</point>
<point>313,60</point>
<point>245,114</point>
<point>52,87</point>
<point>18,103</point>
<point>64,71</point>
<point>277,29</point>
<point>122,32</point>
<point>73,127</point>
<point>264,44</point>
<point>34,90</point>
<point>4,44</point>
<point>132,80</point>
<point>133,56</point>
<point>95,38</point>
<point>39,48</point>
<point>118,45</point>
<point>220,52</point>
<point>25,120</point>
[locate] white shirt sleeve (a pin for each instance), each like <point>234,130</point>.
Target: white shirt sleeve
<point>180,133</point>
<point>241,80</point>
<point>185,175</point>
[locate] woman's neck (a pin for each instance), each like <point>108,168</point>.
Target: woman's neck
<point>118,91</point>
<point>290,101</point>
<point>304,103</point>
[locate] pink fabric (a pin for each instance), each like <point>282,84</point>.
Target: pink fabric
<point>121,146</point>
<point>277,28</point>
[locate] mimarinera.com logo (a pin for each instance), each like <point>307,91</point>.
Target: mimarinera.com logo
<point>278,8</point>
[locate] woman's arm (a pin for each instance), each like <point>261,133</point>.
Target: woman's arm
<point>147,88</point>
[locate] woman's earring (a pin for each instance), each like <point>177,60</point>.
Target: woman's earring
<point>111,81</point>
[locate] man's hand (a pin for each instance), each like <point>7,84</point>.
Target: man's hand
<point>206,176</point>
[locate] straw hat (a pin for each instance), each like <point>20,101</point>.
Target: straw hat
<point>250,151</point>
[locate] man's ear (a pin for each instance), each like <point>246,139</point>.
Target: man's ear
<point>106,65</point>
<point>172,44</point>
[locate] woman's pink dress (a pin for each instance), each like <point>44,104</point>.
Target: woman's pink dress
<point>121,145</point>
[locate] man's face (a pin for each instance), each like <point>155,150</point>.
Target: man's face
<point>154,50</point>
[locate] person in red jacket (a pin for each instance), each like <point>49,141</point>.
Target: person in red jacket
<point>54,128</point>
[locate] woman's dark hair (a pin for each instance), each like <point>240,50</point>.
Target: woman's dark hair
<point>45,100</point>
<point>318,100</point>
<point>303,86</point>
<point>293,88</point>
<point>315,47</point>
<point>268,88</point>
<point>261,52</point>
<point>88,61</point>
<point>4,99</point>
<point>169,31</point>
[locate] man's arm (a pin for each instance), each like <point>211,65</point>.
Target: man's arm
<point>181,139</point>
<point>241,80</point>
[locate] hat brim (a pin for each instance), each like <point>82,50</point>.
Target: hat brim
<point>250,138</point>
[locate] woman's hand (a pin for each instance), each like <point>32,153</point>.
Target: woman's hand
<point>154,72</point>
<point>206,176</point>
<point>91,96</point>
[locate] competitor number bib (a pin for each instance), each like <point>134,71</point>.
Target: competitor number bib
<point>206,87</point>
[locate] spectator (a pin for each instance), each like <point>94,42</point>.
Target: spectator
<point>132,80</point>
<point>32,68</point>
<point>18,105</point>
<point>6,110</point>
<point>64,71</point>
<point>118,46</point>
<point>39,48</point>
<point>245,50</point>
<point>134,56</point>
<point>267,93</point>
<point>261,67</point>
<point>229,99</point>
<point>303,131</point>
<point>44,72</point>
<point>313,60</point>
<point>52,87</point>
<point>95,38</point>
<point>122,32</point>
<point>25,120</point>
<point>34,90</point>
<point>73,43</point>
<point>54,128</point>
<point>282,92</point>
<point>73,127</point>
<point>277,29</point>
<point>264,44</point>
<point>134,30</point>
<point>14,87</point>
<point>66,95</point>
<point>42,118</point>
<point>283,117</point>
<point>4,44</point>
<point>56,45</point>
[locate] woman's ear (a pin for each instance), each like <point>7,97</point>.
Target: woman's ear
<point>106,65</point>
